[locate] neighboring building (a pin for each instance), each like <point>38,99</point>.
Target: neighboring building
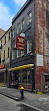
<point>5,52</point>
<point>1,34</point>
<point>33,21</point>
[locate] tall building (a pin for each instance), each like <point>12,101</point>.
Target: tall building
<point>31,22</point>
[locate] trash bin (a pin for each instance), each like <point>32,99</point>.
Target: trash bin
<point>22,92</point>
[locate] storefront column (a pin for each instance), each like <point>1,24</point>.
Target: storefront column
<point>8,79</point>
<point>33,79</point>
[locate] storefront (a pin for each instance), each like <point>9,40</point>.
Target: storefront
<point>1,75</point>
<point>22,76</point>
<point>25,79</point>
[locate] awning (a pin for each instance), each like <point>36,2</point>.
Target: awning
<point>21,67</point>
<point>45,74</point>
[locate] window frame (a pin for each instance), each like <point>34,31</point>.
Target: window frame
<point>29,17</point>
<point>29,46</point>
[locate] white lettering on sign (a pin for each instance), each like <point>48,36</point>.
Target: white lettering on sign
<point>39,60</point>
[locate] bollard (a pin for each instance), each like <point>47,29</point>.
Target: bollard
<point>22,92</point>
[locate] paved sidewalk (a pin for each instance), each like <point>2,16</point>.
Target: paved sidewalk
<point>37,100</point>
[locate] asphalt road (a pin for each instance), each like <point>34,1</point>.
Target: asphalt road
<point>7,104</point>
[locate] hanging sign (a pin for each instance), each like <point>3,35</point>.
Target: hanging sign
<point>20,42</point>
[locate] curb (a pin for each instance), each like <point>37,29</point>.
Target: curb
<point>17,99</point>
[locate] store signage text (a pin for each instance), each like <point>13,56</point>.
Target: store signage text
<point>20,42</point>
<point>1,66</point>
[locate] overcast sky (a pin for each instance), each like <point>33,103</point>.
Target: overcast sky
<point>8,9</point>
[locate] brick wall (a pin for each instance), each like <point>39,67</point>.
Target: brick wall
<point>41,41</point>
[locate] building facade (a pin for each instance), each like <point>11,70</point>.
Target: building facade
<point>1,34</point>
<point>33,21</point>
<point>23,22</point>
<point>5,55</point>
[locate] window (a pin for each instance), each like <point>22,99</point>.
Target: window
<point>13,33</point>
<point>8,52</point>
<point>18,28</point>
<point>18,53</point>
<point>29,46</point>
<point>13,54</point>
<point>5,39</point>
<point>4,54</point>
<point>29,17</point>
<point>9,35</point>
<point>22,53</point>
<point>1,43</point>
<point>22,23</point>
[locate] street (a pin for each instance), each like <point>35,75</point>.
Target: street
<point>7,104</point>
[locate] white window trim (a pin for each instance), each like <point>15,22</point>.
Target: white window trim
<point>17,53</point>
<point>12,54</point>
<point>22,53</point>
<point>28,47</point>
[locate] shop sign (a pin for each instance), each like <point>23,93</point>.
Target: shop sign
<point>20,42</point>
<point>39,60</point>
<point>1,66</point>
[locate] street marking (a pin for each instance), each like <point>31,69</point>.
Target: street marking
<point>43,99</point>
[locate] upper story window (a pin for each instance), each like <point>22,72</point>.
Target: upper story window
<point>22,23</point>
<point>18,53</point>
<point>9,35</point>
<point>1,43</point>
<point>4,54</point>
<point>5,39</point>
<point>29,46</point>
<point>8,52</point>
<point>13,54</point>
<point>18,28</point>
<point>13,33</point>
<point>22,53</point>
<point>29,18</point>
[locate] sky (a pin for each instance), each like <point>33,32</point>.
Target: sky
<point>8,9</point>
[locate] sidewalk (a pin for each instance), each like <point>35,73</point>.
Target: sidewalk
<point>37,100</point>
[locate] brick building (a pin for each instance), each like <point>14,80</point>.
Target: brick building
<point>42,44</point>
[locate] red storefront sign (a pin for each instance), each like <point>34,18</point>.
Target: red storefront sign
<point>20,42</point>
<point>1,67</point>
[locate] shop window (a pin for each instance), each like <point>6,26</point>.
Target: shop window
<point>18,53</point>
<point>29,46</point>
<point>29,18</point>
<point>47,78</point>
<point>25,76</point>
<point>22,23</point>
